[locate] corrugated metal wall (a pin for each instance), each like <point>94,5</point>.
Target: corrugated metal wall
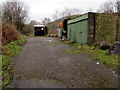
<point>78,29</point>
<point>82,32</point>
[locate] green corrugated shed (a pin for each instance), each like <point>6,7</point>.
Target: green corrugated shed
<point>77,29</point>
<point>94,27</point>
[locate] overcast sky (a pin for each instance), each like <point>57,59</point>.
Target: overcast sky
<point>39,9</point>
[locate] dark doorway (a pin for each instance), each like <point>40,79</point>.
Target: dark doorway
<point>65,27</point>
<point>40,30</point>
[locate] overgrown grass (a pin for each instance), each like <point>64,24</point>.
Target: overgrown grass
<point>98,55</point>
<point>9,50</point>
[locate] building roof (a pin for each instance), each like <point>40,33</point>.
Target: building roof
<point>63,18</point>
<point>39,25</point>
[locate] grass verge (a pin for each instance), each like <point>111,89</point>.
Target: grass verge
<point>97,54</point>
<point>9,50</point>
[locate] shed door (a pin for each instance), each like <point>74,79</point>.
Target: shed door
<point>81,32</point>
<point>73,32</point>
<point>69,32</point>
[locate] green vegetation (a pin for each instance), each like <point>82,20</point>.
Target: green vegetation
<point>73,51</point>
<point>31,35</point>
<point>55,81</point>
<point>97,54</point>
<point>54,43</point>
<point>9,50</point>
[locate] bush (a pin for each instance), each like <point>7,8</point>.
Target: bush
<point>9,33</point>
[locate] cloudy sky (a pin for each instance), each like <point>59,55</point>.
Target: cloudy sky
<point>39,9</point>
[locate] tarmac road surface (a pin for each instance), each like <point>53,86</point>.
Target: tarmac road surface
<point>44,63</point>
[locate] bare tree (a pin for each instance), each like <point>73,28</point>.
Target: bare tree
<point>56,15</point>
<point>45,21</point>
<point>118,7</point>
<point>0,13</point>
<point>70,11</point>
<point>0,29</point>
<point>33,22</point>
<point>110,7</point>
<point>66,12</point>
<point>15,13</point>
<point>118,21</point>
